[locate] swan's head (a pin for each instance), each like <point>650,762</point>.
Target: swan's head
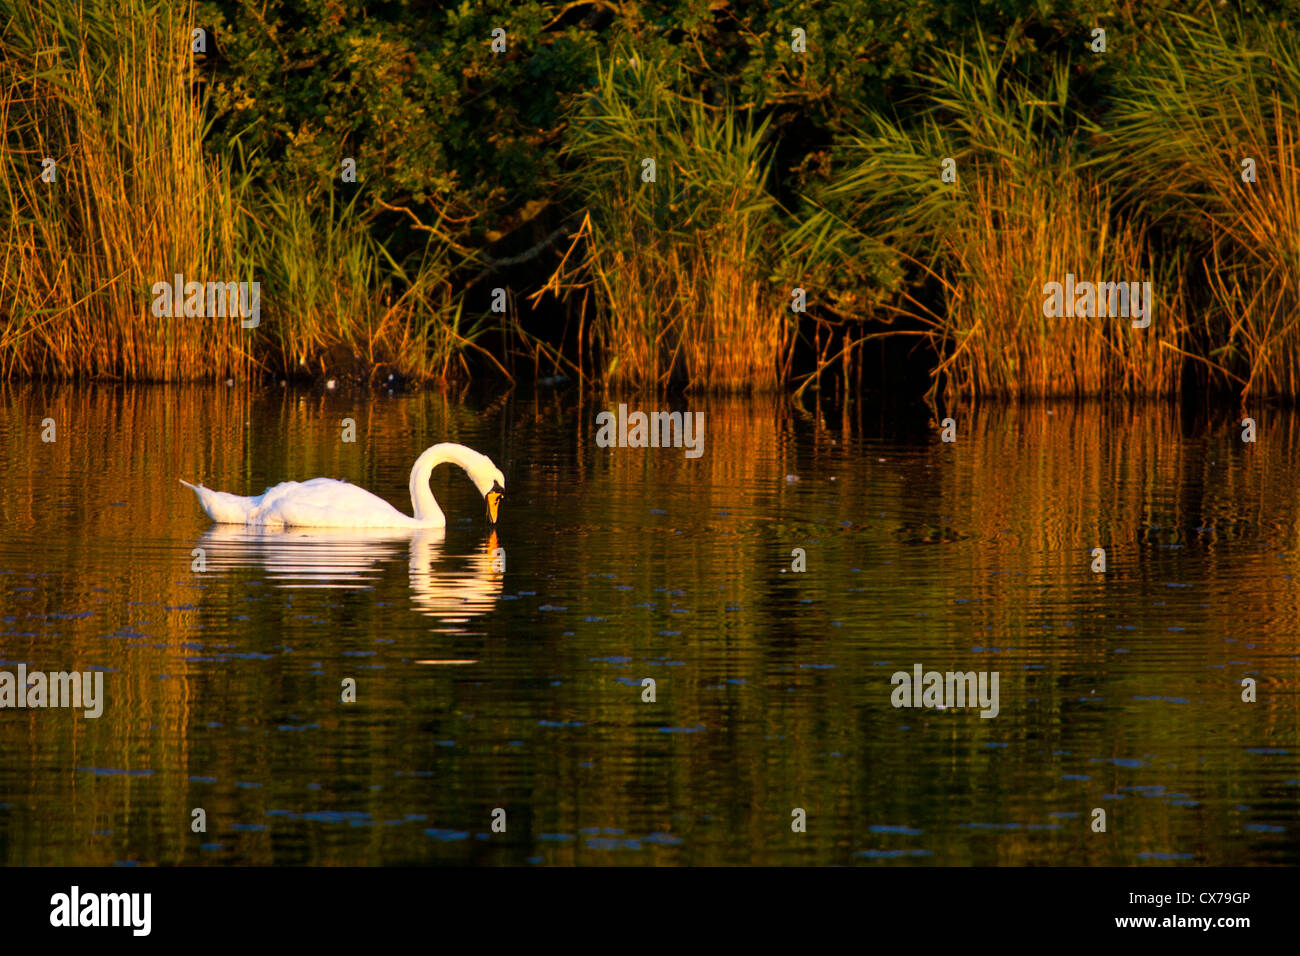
<point>487,477</point>
<point>491,485</point>
<point>493,499</point>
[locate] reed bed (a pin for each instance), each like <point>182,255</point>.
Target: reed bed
<point>341,302</point>
<point>685,280</point>
<point>105,90</point>
<point>677,265</point>
<point>1008,240</point>
<point>110,92</point>
<point>1209,97</point>
<point>966,261</point>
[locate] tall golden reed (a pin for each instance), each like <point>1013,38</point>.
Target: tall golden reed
<point>106,90</point>
<point>678,264</point>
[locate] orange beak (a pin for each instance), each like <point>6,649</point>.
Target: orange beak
<point>493,503</point>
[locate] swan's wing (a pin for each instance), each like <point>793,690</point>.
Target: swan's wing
<point>325,503</point>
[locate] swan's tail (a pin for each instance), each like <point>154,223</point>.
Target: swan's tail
<point>222,507</point>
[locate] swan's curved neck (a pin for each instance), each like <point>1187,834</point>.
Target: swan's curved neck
<point>422,500</point>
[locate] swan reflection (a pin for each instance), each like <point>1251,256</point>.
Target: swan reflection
<point>452,588</point>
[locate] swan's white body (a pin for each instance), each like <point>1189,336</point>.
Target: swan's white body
<point>327,503</point>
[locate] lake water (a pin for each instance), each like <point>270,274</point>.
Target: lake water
<point>521,689</point>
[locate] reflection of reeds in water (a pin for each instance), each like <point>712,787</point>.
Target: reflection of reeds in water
<point>1028,491</point>
<point>1170,507</point>
<point>749,449</point>
<point>1044,479</point>
<point>86,614</point>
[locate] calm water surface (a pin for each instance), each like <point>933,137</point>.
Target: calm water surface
<point>521,689</point>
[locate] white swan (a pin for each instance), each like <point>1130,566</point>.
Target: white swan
<point>327,503</point>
